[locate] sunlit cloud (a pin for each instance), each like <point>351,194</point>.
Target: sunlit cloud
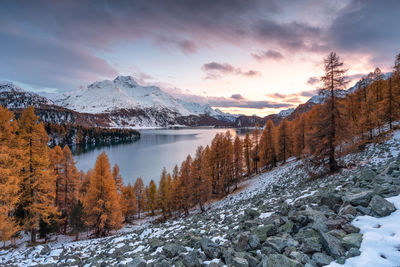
<point>215,70</point>
<point>269,54</point>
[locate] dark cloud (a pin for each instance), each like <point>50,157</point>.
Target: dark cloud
<point>220,67</point>
<point>237,96</point>
<point>251,73</point>
<point>186,46</point>
<point>48,63</point>
<point>215,70</point>
<point>308,93</point>
<point>235,101</point>
<point>244,103</point>
<point>277,95</point>
<point>269,54</point>
<point>313,80</point>
<point>293,36</point>
<point>367,26</point>
<point>293,98</point>
<point>84,30</point>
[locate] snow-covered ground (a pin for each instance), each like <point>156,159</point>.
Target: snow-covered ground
<point>381,240</point>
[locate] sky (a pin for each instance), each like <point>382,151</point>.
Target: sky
<point>249,57</point>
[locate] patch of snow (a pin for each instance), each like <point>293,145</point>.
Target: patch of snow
<point>286,112</point>
<point>265,215</point>
<point>381,240</point>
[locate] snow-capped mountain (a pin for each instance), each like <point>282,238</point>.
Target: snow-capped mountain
<point>123,93</point>
<point>118,103</point>
<point>321,96</point>
<point>14,97</point>
<point>206,109</point>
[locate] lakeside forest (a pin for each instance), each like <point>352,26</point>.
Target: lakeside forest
<point>42,191</point>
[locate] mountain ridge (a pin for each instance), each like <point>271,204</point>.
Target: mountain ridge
<point>123,103</point>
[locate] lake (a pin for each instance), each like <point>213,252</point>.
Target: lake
<point>154,150</point>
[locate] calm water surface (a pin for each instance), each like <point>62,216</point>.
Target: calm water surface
<point>154,150</point>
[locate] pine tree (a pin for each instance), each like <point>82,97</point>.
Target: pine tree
<point>283,140</point>
<point>70,185</point>
<point>388,105</point>
<point>201,186</point>
<point>151,194</point>
<point>162,194</point>
<point>77,219</point>
<point>56,157</point>
<point>118,179</point>
<point>327,132</point>
<point>37,182</point>
<point>227,165</point>
<point>129,205</point>
<point>247,152</point>
<point>216,163</point>
<point>367,120</point>
<point>84,183</point>
<point>267,146</point>
<point>138,189</point>
<point>238,161</point>
<point>9,164</point>
<point>170,196</point>
<point>101,202</point>
<point>255,154</point>
<point>299,140</point>
<point>185,193</point>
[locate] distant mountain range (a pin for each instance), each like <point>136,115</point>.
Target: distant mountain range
<point>122,102</point>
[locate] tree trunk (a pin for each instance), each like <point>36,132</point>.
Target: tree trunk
<point>332,162</point>
<point>33,235</point>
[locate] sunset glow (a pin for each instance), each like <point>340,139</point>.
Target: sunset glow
<point>203,51</point>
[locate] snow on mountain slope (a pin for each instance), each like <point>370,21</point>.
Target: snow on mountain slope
<point>321,96</point>
<point>124,93</point>
<point>286,112</point>
<point>121,93</point>
<point>206,109</point>
<point>14,97</point>
<point>198,109</point>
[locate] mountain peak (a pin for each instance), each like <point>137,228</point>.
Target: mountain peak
<point>127,81</point>
<point>6,86</point>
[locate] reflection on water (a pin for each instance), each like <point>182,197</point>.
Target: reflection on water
<point>154,150</point>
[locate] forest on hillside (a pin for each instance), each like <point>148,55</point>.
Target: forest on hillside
<point>42,191</point>
<point>71,135</point>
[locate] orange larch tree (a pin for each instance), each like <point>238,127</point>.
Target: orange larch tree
<point>138,189</point>
<point>37,181</point>
<point>101,202</point>
<point>237,161</point>
<point>247,152</point>
<point>9,176</point>
<point>328,131</point>
<point>129,202</point>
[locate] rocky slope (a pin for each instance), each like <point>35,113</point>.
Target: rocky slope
<point>280,218</point>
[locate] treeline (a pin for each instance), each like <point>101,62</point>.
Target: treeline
<point>322,135</point>
<point>69,134</point>
<point>42,192</point>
